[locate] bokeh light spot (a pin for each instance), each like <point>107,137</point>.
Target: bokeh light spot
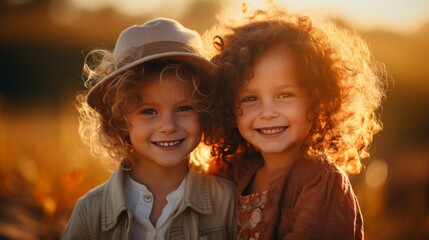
<point>28,169</point>
<point>49,205</point>
<point>376,173</point>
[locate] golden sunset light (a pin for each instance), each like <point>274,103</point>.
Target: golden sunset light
<point>45,167</point>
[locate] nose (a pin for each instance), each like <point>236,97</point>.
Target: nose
<point>167,123</point>
<point>268,110</point>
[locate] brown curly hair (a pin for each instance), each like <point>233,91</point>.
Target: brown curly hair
<point>345,84</point>
<point>104,129</point>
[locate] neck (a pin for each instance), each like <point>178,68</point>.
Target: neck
<point>274,162</point>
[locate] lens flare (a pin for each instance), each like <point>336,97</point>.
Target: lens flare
<point>201,156</point>
<point>376,173</point>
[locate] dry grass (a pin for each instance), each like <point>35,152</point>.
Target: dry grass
<point>44,169</point>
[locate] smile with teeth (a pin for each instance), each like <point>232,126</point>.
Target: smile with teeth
<point>270,131</point>
<point>168,143</point>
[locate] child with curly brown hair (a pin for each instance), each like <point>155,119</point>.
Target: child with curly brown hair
<point>146,108</point>
<point>297,111</point>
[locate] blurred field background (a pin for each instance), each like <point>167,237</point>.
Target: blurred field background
<point>44,167</point>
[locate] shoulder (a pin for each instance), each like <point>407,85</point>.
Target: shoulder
<point>316,168</point>
<point>318,196</point>
<point>310,173</point>
<point>222,192</point>
<point>91,201</point>
<point>224,185</point>
<point>216,183</point>
<point>208,188</point>
<point>315,165</point>
<point>212,199</point>
<point>210,194</point>
<point>84,221</point>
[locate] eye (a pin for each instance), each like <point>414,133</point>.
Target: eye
<point>185,108</point>
<point>149,111</point>
<point>249,99</point>
<point>285,95</point>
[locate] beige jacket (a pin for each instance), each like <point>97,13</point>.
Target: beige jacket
<point>206,211</point>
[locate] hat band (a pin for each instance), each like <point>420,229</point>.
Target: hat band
<point>153,49</point>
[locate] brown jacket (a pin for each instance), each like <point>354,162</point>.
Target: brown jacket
<point>206,211</point>
<point>315,200</point>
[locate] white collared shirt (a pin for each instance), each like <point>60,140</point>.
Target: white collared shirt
<point>140,202</point>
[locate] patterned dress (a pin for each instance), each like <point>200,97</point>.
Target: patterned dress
<point>255,212</point>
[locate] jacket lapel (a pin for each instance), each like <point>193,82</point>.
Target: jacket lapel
<point>113,200</point>
<point>197,194</point>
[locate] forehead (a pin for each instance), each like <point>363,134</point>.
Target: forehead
<point>277,56</point>
<point>276,66</point>
<point>165,87</point>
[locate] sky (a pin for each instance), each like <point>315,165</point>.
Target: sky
<point>395,15</point>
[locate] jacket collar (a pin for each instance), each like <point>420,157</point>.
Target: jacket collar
<point>246,173</point>
<point>197,196</point>
<point>113,200</point>
<point>197,193</point>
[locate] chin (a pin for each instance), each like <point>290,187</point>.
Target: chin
<point>272,150</point>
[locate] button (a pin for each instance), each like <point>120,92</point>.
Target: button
<point>147,198</point>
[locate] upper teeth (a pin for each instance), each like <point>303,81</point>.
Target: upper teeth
<point>168,144</point>
<point>272,131</point>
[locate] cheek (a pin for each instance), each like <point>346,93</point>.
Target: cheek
<point>245,115</point>
<point>242,123</point>
<point>304,118</point>
<point>298,110</point>
<point>195,132</point>
<point>192,124</point>
<point>133,137</point>
<point>246,110</point>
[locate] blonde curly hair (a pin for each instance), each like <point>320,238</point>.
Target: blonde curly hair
<point>345,84</point>
<point>104,129</point>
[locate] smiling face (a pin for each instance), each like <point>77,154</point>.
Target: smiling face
<point>163,126</point>
<point>272,107</point>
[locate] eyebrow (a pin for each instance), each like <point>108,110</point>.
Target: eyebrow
<point>142,103</point>
<point>280,87</point>
<point>289,86</point>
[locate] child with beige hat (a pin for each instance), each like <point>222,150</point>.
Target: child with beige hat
<point>147,107</point>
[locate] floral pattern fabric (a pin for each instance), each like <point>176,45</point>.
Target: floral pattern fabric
<point>255,212</point>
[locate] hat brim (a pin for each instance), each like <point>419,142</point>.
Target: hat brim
<point>94,97</point>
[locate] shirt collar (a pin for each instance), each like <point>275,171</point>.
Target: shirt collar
<point>139,188</point>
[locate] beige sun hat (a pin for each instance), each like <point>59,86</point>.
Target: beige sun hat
<point>160,38</point>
